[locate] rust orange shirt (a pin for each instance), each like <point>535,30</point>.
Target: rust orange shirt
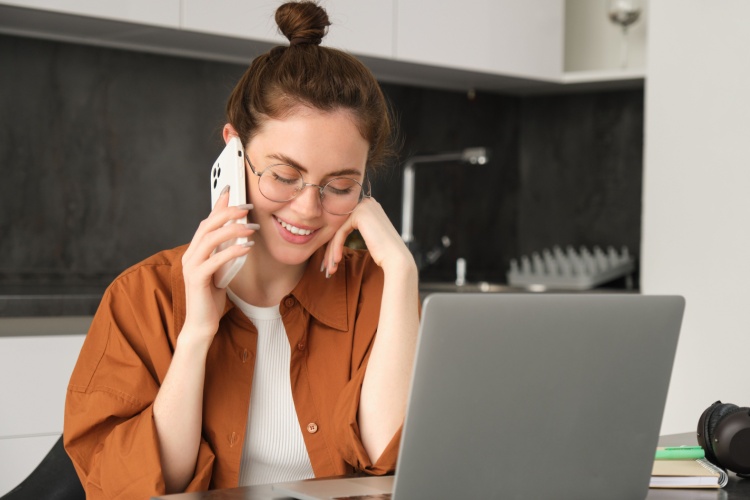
<point>109,431</point>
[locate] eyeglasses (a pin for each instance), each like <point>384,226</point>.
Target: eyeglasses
<point>282,183</point>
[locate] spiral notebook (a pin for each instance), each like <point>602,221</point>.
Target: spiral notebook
<point>698,473</point>
<point>518,395</point>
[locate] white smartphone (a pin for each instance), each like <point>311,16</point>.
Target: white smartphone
<point>229,170</point>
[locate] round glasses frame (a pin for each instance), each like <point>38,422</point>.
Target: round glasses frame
<point>363,192</point>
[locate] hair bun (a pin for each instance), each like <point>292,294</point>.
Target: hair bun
<point>302,22</point>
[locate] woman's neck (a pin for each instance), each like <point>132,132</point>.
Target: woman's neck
<point>263,281</point>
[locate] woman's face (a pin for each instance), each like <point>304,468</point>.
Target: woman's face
<point>322,145</point>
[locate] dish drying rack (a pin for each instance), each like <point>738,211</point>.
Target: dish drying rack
<point>571,269</point>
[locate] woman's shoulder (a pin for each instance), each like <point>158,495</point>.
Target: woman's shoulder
<point>157,269</point>
<point>359,261</point>
<point>363,272</point>
<point>164,258</point>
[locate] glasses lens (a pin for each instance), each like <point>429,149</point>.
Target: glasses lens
<point>341,196</point>
<point>280,183</point>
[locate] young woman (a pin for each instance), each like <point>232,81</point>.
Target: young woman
<point>181,386</point>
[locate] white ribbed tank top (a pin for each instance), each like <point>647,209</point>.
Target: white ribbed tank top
<point>274,450</point>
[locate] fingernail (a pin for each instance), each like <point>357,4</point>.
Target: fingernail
<point>246,206</point>
<point>224,191</point>
<point>327,274</point>
<point>252,226</point>
<point>248,244</point>
<point>322,266</point>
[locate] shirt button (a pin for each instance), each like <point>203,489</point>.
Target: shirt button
<point>289,302</point>
<point>312,427</point>
<point>243,356</point>
<point>301,346</point>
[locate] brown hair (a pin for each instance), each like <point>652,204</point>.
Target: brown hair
<point>305,73</point>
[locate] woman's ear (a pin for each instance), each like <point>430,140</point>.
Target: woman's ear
<point>229,132</point>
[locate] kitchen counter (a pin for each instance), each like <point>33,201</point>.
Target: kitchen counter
<point>56,300</point>
<point>44,326</point>
<point>34,300</point>
<point>427,288</point>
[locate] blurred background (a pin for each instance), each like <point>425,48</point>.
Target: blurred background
<point>616,123</point>
<point>105,154</point>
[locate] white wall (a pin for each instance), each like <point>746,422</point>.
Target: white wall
<point>696,206</point>
<point>593,42</point>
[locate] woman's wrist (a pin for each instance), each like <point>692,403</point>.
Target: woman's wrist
<point>194,340</point>
<point>402,265</point>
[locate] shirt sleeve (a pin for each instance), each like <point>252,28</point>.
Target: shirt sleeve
<point>109,430</point>
<point>350,441</point>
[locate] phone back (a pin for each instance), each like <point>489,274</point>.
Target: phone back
<point>229,170</point>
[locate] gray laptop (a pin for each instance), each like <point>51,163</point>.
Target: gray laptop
<point>529,396</point>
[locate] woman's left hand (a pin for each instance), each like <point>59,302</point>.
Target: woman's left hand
<point>382,403</point>
<point>383,241</point>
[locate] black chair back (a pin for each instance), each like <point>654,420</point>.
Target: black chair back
<point>54,478</point>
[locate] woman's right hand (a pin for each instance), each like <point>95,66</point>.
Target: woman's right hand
<point>204,301</point>
<point>179,403</point>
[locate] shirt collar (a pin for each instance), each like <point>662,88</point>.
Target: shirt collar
<point>324,298</point>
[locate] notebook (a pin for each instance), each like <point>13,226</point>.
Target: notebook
<point>519,395</point>
<point>699,473</point>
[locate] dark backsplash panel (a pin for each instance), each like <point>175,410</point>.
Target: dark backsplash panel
<point>105,157</point>
<point>581,172</point>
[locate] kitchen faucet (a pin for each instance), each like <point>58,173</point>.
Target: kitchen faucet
<point>473,156</point>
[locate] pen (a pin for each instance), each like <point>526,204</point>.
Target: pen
<point>680,453</point>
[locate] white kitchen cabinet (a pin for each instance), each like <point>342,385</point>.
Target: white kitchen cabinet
<point>364,27</point>
<point>509,37</point>
<point>34,370</point>
<point>20,456</point>
<point>512,46</point>
<point>165,13</point>
<point>251,19</point>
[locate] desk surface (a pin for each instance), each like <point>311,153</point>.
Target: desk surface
<point>736,489</point>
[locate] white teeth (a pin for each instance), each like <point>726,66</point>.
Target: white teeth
<point>294,229</point>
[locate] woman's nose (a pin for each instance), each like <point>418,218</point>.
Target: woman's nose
<point>308,202</point>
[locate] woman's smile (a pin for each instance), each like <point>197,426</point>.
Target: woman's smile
<point>294,233</point>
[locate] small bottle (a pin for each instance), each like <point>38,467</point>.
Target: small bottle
<point>460,272</point>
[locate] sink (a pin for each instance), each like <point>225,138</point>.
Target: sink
<point>427,288</point>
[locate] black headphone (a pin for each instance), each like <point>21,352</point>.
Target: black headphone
<point>724,435</point>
